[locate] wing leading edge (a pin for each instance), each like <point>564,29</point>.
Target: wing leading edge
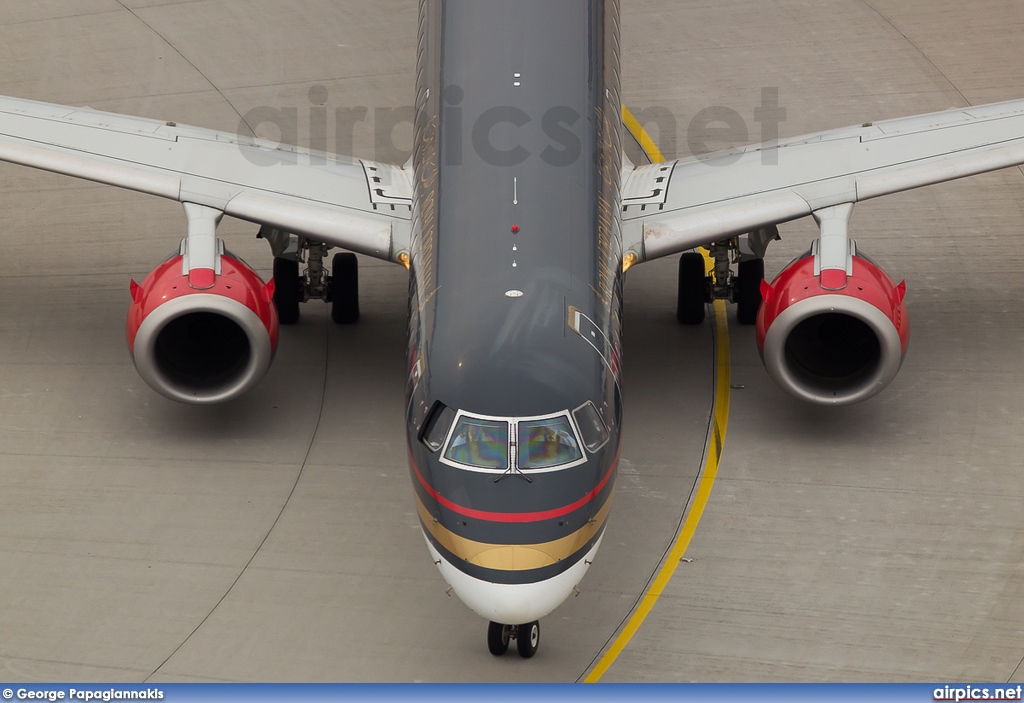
<point>359,205</point>
<point>675,206</point>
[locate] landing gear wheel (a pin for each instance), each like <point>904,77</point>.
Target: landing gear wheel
<point>498,636</point>
<point>287,290</point>
<point>693,289</point>
<point>528,639</point>
<point>748,290</point>
<point>345,289</point>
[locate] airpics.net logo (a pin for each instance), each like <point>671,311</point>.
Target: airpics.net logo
<point>977,693</point>
<point>502,135</point>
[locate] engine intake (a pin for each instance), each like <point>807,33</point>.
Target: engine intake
<point>832,347</point>
<point>202,346</point>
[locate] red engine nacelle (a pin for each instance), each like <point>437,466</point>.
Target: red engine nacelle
<point>202,346</point>
<point>835,342</point>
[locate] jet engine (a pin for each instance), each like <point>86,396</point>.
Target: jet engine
<point>832,337</point>
<point>205,339</point>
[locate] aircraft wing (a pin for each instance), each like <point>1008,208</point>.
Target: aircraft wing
<point>356,204</point>
<point>678,205</point>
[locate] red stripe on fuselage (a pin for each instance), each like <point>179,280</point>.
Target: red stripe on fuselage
<point>514,517</point>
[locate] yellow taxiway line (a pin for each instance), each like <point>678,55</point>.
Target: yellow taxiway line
<point>716,442</point>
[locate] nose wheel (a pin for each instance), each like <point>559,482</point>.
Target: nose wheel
<point>498,637</point>
<point>527,638</point>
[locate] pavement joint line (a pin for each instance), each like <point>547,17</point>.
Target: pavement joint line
<point>716,444</point>
<point>287,501</point>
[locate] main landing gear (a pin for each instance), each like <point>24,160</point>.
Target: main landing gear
<point>697,287</point>
<point>527,638</point>
<point>340,288</point>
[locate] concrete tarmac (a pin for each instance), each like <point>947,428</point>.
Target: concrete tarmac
<point>275,538</point>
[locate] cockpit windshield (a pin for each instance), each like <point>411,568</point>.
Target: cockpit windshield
<point>546,443</point>
<point>479,442</point>
<point>506,444</point>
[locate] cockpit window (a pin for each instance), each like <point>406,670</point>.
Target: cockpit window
<point>546,443</point>
<point>592,427</point>
<point>479,443</point>
<point>437,426</point>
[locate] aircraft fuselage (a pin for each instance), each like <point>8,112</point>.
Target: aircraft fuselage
<point>514,409</point>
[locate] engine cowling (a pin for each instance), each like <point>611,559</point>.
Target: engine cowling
<point>202,346</point>
<point>835,342</point>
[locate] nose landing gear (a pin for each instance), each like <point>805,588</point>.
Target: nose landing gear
<point>527,638</point>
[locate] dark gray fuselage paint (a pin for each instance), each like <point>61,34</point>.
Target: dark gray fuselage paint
<point>543,156</point>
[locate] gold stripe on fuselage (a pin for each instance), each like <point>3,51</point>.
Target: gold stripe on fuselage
<point>513,557</point>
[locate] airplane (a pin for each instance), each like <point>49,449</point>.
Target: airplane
<point>517,218</point>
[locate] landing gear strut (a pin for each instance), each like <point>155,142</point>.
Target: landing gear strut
<point>527,638</point>
<point>697,287</point>
<point>340,288</point>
